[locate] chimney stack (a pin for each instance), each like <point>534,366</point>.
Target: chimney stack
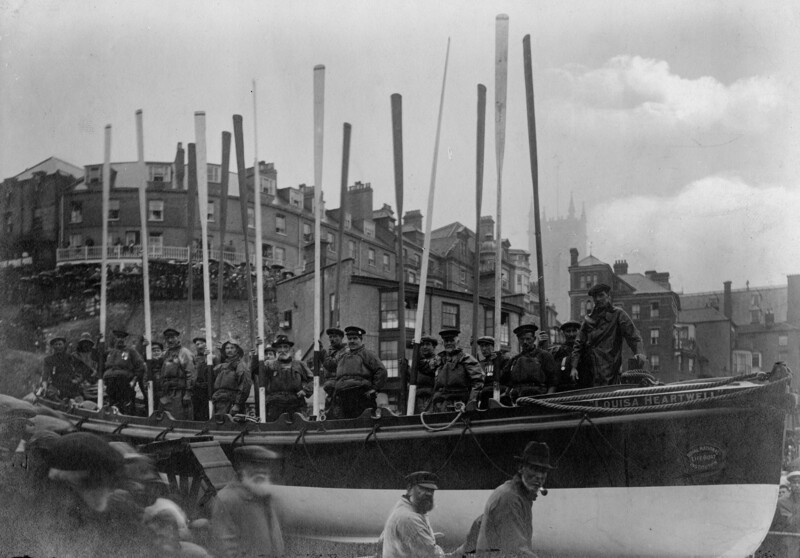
<point>413,219</point>
<point>573,256</point>
<point>620,267</point>
<point>793,300</point>
<point>727,301</point>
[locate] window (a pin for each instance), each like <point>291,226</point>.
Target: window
<point>158,173</point>
<point>386,266</point>
<point>286,320</point>
<point>417,260</point>
<point>742,362</point>
<point>588,280</point>
<point>308,236</point>
<point>155,243</point>
<point>251,218</point>
<point>155,210</point>
<point>9,219</point>
<point>463,276</point>
<point>371,257</point>
<point>296,198</point>
<point>280,255</point>
<point>213,173</point>
<point>488,325</point>
<point>331,242</point>
<point>348,221</point>
<point>332,308</point>
<point>412,277</point>
<point>690,363</point>
<point>783,341</point>
<point>280,224</point>
<point>654,333</point>
<point>679,360</point>
<point>267,251</point>
<point>636,311</point>
<point>212,211</point>
<point>756,362</point>
<point>654,311</point>
<point>76,212</point>
<point>388,355</point>
<point>75,240</point>
<point>351,245</point>
<point>450,315</point>
<point>655,363</point>
<point>94,175</point>
<point>113,210</point>
<point>389,317</point>
<point>583,308</point>
<point>369,229</point>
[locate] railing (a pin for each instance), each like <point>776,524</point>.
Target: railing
<point>684,344</point>
<point>156,252</point>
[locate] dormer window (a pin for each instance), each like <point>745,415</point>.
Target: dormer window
<point>94,175</point>
<point>369,229</point>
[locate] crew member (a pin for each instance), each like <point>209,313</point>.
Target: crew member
<point>507,524</point>
<point>490,360</point>
<point>787,516</point>
<point>562,355</point>
<point>288,382</point>
<point>85,359</point>
<point>408,532</point>
<point>123,367</point>
<point>60,380</point>
<point>600,339</point>
<point>459,377</point>
<point>330,361</point>
<point>360,374</point>
<point>244,521</point>
<point>177,377</point>
<point>231,381</point>
<point>532,371</point>
<point>426,372</point>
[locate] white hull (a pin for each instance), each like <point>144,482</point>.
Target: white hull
<point>698,521</point>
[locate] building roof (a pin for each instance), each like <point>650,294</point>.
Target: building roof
<point>49,166</point>
<point>761,328</point>
<point>589,261</point>
<point>772,298</point>
<point>643,285</point>
<point>701,315</point>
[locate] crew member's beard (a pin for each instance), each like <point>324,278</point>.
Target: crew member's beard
<point>424,504</point>
<point>533,489</point>
<point>284,358</point>
<point>258,484</point>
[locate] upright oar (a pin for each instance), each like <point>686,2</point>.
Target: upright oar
<point>476,264</point>
<point>191,216</point>
<point>202,194</point>
<point>397,141</point>
<point>223,223</point>
<point>500,92</point>
<point>342,215</point>
<point>426,248</point>
<point>238,138</point>
<point>319,128</point>
<point>259,255</point>
<point>148,325</point>
<point>526,47</point>
<point>104,260</point>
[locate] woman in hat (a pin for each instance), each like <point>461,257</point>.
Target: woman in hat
<point>231,381</point>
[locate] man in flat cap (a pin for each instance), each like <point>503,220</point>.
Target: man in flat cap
<point>177,377</point>
<point>330,361</point>
<point>123,367</point>
<point>600,339</point>
<point>532,371</point>
<point>459,377</point>
<point>562,355</point>
<point>507,524</point>
<point>244,521</point>
<point>232,380</point>
<point>490,360</point>
<point>407,532</point>
<point>60,379</point>
<point>287,382</point>
<point>426,372</point>
<point>360,375</point>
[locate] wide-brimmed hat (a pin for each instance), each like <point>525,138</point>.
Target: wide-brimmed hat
<point>423,479</point>
<point>599,288</point>
<point>525,328</point>
<point>536,454</point>
<point>486,340</point>
<point>85,337</point>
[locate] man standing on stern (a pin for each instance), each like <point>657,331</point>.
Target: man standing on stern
<point>600,339</point>
<point>360,375</point>
<point>459,377</point>
<point>408,532</point>
<point>532,371</point>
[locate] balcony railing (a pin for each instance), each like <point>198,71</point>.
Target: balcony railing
<point>87,254</point>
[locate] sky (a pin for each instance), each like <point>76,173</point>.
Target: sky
<point>676,124</point>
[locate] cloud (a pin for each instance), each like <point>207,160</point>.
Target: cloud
<point>634,93</point>
<point>715,229</point>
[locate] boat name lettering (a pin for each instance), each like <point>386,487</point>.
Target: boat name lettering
<point>657,399</point>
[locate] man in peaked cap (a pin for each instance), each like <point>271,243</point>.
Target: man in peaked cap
<point>507,519</point>
<point>244,521</point>
<point>123,367</point>
<point>459,377</point>
<point>177,377</point>
<point>490,361</point>
<point>407,532</point>
<point>426,372</point>
<point>360,375</point>
<point>330,361</point>
<point>532,371</point>
<point>600,339</point>
<point>287,382</point>
<point>562,355</point>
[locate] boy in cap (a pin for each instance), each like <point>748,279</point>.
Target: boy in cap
<point>459,377</point>
<point>407,532</point>
<point>507,519</point>
<point>177,377</point>
<point>244,521</point>
<point>360,374</point>
<point>532,371</point>
<point>600,339</point>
